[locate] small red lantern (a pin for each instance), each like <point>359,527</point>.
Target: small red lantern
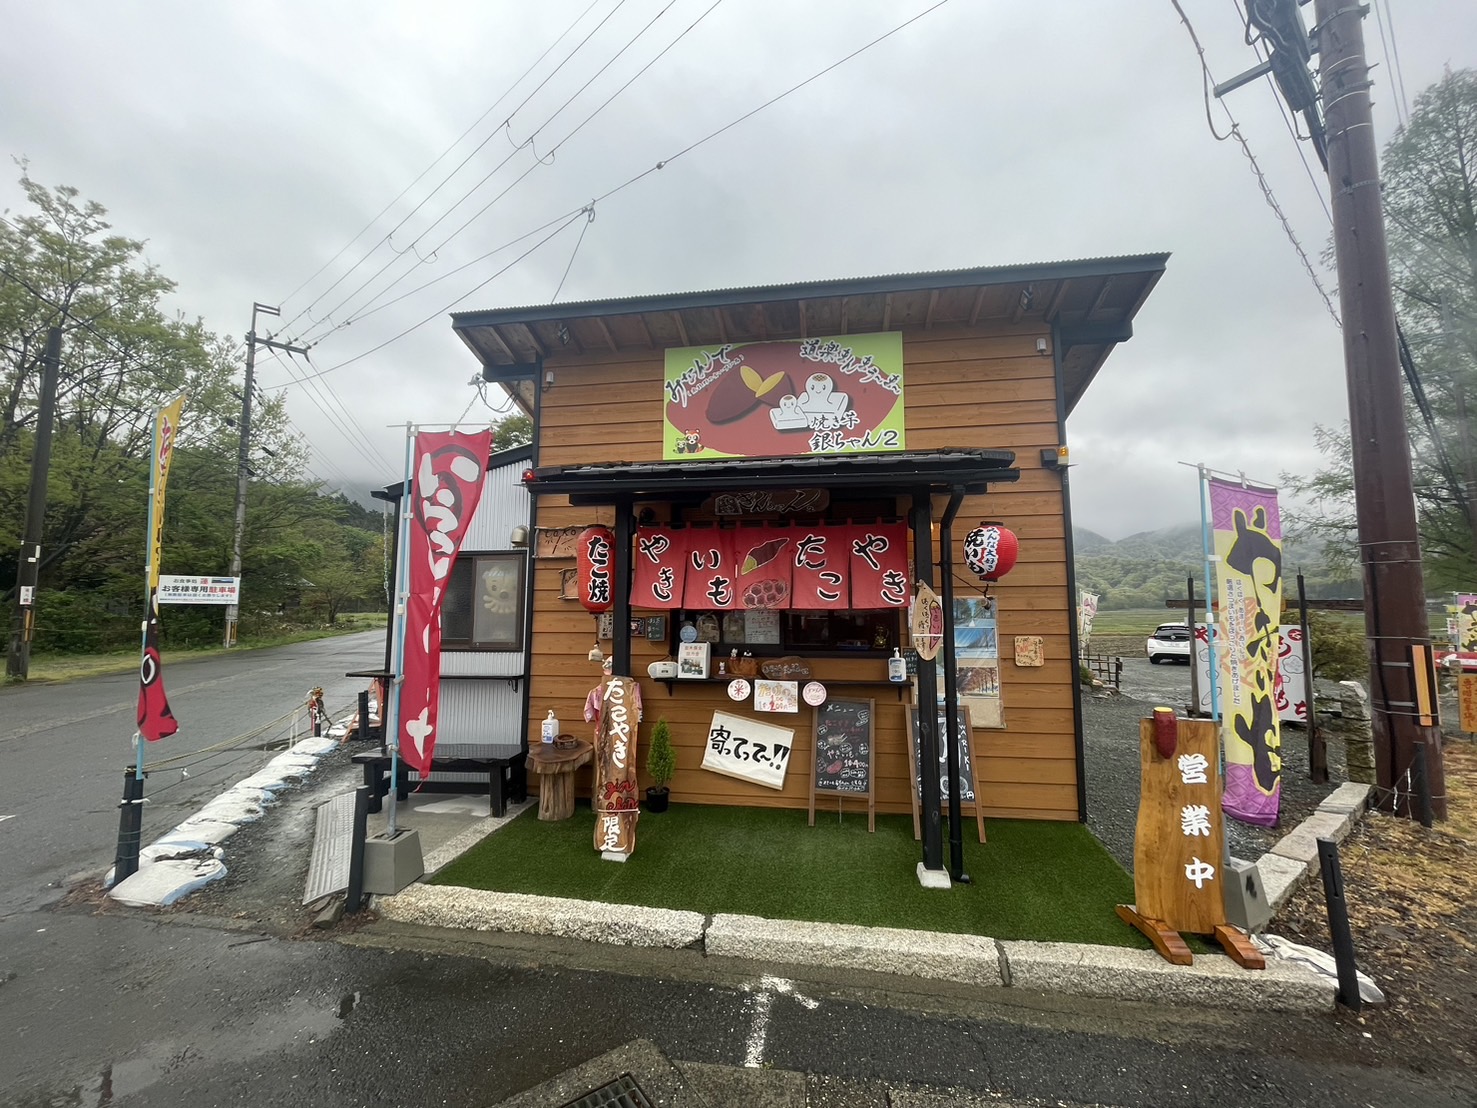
<point>990,551</point>
<point>596,568</point>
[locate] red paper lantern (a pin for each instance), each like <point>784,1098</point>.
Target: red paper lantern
<point>990,551</point>
<point>596,568</point>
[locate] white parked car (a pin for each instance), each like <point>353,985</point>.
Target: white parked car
<point>1170,642</point>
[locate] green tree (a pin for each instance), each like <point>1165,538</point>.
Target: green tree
<point>1430,198</point>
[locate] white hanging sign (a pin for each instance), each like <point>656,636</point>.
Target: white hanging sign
<point>186,589</point>
<point>749,750</point>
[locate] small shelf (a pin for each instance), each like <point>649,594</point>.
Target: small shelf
<point>723,680</point>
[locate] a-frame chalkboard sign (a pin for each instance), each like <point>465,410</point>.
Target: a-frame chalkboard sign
<point>841,757</point>
<point>968,786</point>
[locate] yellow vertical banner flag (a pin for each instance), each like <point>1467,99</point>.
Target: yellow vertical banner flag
<point>155,717</point>
<point>1248,546</point>
<point>166,429</point>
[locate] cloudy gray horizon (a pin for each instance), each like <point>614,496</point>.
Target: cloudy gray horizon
<point>249,144</point>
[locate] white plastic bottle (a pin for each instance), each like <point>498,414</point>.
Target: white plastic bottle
<point>550,727</point>
<point>897,668</point>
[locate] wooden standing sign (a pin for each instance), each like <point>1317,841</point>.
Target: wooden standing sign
<point>968,786</point>
<point>1178,846</point>
<point>841,757</point>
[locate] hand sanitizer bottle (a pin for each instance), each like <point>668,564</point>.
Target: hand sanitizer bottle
<point>897,668</point>
<point>550,727</point>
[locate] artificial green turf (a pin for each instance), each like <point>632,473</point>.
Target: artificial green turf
<point>1032,880</point>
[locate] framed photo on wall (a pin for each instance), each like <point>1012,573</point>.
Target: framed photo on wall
<point>693,659</point>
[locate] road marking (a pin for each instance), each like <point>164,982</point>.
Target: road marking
<point>767,989</point>
<point>4,818</point>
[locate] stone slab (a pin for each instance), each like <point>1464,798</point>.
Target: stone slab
<point>933,878</point>
<point>1214,981</point>
<point>1348,799</point>
<point>654,1074</point>
<point>1301,843</point>
<point>1280,879</point>
<point>478,910</point>
<point>752,1088</point>
<point>972,959</point>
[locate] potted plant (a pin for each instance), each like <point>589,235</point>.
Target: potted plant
<point>661,763</point>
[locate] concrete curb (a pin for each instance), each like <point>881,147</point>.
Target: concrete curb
<point>477,910</point>
<point>971,959</point>
<point>1295,856</point>
<point>1123,974</point>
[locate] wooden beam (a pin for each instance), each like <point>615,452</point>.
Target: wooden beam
<point>886,311</point>
<point>979,302</point>
<point>605,331</point>
<point>722,324</point>
<point>1054,305</point>
<point>681,328</point>
<point>533,340</point>
<point>845,312</point>
<point>645,330</point>
<point>1097,301</point>
<point>933,302</point>
<point>800,306</point>
<point>497,337</point>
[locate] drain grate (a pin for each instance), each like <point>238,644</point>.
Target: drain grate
<point>623,1092</point>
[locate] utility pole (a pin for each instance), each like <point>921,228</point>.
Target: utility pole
<point>243,454</point>
<point>28,566</point>
<point>1389,546</point>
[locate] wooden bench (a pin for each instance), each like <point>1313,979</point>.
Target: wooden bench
<point>504,766</point>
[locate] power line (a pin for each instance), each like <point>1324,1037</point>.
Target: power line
<point>538,162</point>
<point>463,162</point>
<point>1207,82</point>
<point>328,399</point>
<point>573,254</point>
<point>437,160</point>
<point>646,173</point>
<point>1392,58</point>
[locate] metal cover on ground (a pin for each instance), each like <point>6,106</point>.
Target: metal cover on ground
<point>333,838</point>
<point>623,1092</point>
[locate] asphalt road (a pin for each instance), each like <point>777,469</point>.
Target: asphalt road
<point>65,747</point>
<point>100,1004</point>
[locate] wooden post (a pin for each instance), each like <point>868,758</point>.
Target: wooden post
<point>1317,748</point>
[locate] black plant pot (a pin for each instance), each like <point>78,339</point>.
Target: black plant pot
<point>656,799</point>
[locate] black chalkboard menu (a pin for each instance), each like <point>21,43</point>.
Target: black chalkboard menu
<point>841,758</point>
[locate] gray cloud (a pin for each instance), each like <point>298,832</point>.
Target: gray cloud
<point>247,144</point>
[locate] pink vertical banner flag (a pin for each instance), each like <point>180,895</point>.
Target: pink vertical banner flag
<point>443,491</point>
<point>1248,540</point>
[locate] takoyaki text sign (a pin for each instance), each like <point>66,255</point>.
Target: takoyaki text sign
<point>840,395</point>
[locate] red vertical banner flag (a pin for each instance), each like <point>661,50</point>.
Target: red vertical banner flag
<point>660,568</point>
<point>712,569</point>
<point>765,565</point>
<point>445,486</point>
<point>821,564</point>
<point>879,565</point>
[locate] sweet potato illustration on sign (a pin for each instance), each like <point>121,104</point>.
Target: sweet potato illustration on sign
<point>763,554</point>
<point>737,394</point>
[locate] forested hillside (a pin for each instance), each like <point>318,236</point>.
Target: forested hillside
<point>1146,569</point>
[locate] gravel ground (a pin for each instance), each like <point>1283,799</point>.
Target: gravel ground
<point>1111,741</point>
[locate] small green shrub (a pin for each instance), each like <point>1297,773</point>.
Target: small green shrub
<point>661,760</point>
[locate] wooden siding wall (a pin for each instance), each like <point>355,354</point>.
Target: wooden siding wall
<point>963,389</point>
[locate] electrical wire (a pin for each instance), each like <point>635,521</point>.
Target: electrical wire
<point>538,162</point>
<point>344,422</point>
<point>573,254</point>
<point>1391,51</point>
<point>447,151</point>
<point>1207,81</point>
<point>644,174</point>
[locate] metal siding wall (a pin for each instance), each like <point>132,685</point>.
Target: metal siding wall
<point>504,505</point>
<point>480,712</point>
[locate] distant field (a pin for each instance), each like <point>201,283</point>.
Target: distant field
<point>1134,621</point>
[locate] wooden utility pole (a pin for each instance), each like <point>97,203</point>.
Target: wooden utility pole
<point>28,566</point>
<point>1389,546</point>
<point>243,453</point>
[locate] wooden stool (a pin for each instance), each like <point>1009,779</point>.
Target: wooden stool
<point>554,766</point>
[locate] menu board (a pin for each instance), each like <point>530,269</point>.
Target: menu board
<point>842,753</point>
<point>966,767</point>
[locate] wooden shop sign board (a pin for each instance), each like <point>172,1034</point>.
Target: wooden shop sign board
<point>968,792</point>
<point>1178,847</point>
<point>1467,697</point>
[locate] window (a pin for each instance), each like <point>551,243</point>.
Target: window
<point>483,608</point>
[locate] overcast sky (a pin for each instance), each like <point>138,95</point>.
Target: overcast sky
<point>250,143</point>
